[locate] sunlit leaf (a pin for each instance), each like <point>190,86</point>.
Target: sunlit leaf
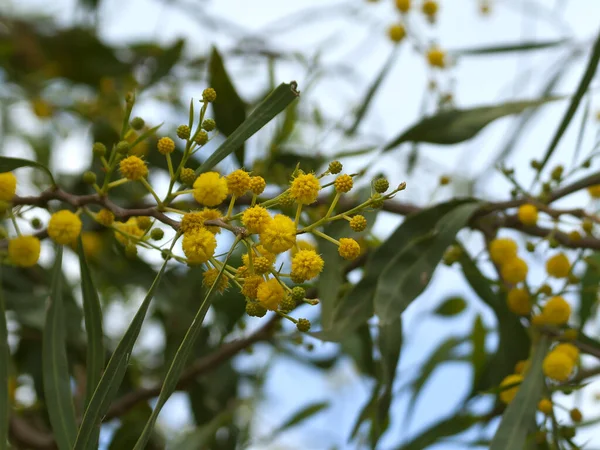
<point>451,307</point>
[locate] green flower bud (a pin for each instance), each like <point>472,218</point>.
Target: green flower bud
<point>99,149</point>
<point>335,167</point>
<point>209,124</point>
<point>254,309</point>
<point>298,293</point>
<point>187,176</point>
<point>157,234</point>
<point>89,177</point>
<point>183,132</point>
<point>381,185</point>
<point>137,123</point>
<point>201,138</point>
<point>36,223</point>
<point>303,325</point>
<point>123,147</point>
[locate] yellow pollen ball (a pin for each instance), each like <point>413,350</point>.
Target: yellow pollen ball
<point>257,185</point>
<point>343,183</point>
<point>105,217</point>
<point>545,406</point>
<point>503,250</point>
<point>210,189</point>
<point>306,265</point>
<point>519,301</point>
<point>430,8</point>
<point>514,271</point>
<point>64,227</point>
<point>349,249</point>
<point>507,395</point>
<point>128,232</point>
<point>238,182</point>
<point>24,251</point>
<point>270,293</point>
<point>358,223</point>
<point>194,220</point>
<point>165,145</point>
<point>568,349</point>
<point>256,219</point>
<point>8,186</point>
<point>199,246</point>
<point>556,311</point>
<point>250,286</point>
<point>557,366</point>
<point>436,57</point>
<point>558,266</point>
<point>528,214</point>
<point>279,234</point>
<point>302,245</point>
<point>397,33</point>
<point>403,5</point>
<point>210,276</point>
<point>305,189</point>
<point>594,191</point>
<point>133,168</point>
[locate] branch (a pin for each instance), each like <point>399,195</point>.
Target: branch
<point>30,437</point>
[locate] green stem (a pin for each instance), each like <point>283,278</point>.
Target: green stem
<point>298,213</point>
<point>149,188</point>
<point>170,166</point>
<point>333,205</point>
<point>116,183</point>
<point>324,236</point>
<point>230,209</point>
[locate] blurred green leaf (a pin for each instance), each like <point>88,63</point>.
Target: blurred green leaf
<point>201,437</point>
<point>113,374</point>
<point>4,376</point>
<point>458,125</point>
<point>450,426</point>
<point>300,416</point>
<point>509,48</point>
<point>359,347</point>
<point>582,88</point>
<point>478,353</point>
<point>8,164</point>
<point>55,366</point>
<point>229,108</point>
<point>275,102</point>
<point>451,307</point>
<point>370,94</point>
<point>518,420</point>
<point>408,273</point>
<point>130,428</point>
<point>165,60</point>
<point>588,296</point>
<point>582,127</point>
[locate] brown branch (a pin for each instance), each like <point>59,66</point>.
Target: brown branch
<point>25,434</point>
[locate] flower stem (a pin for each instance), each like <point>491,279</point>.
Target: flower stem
<point>325,236</point>
<point>149,188</point>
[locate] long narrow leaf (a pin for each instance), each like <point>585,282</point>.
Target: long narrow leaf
<point>508,48</point>
<point>114,372</point>
<point>55,366</point>
<point>276,102</point>
<point>584,84</point>
<point>4,364</point>
<point>7,164</point>
<point>180,359</point>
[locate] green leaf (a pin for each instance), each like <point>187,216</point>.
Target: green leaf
<point>408,273</point>
<point>201,437</point>
<point>113,374</point>
<point>588,295</point>
<point>519,416</point>
<point>508,48</point>
<point>4,375</point>
<point>458,125</point>
<point>452,306</point>
<point>181,358</point>
<point>55,366</point>
<point>92,313</point>
<point>446,427</point>
<point>229,108</point>
<point>299,416</point>
<point>584,84</point>
<point>478,353</point>
<point>8,164</point>
<point>275,102</point>
<point>370,94</point>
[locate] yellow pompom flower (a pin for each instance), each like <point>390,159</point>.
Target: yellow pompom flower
<point>238,182</point>
<point>210,189</point>
<point>594,191</point>
<point>558,266</point>
<point>528,214</point>
<point>133,168</point>
<point>503,250</point>
<point>545,406</point>
<point>256,219</point>
<point>128,232</point>
<point>305,189</point>
<point>403,5</point>
<point>194,220</point>
<point>105,217</point>
<point>165,145</point>
<point>430,8</point>
<point>64,227</point>
<point>24,251</point>
<point>260,264</point>
<point>349,249</point>
<point>306,265</point>
<point>270,293</point>
<point>8,186</point>
<point>514,270</point>
<point>210,276</point>
<point>199,246</point>
<point>507,395</point>
<point>302,245</point>
<point>519,301</point>
<point>556,311</point>
<point>250,286</point>
<point>279,234</point>
<point>436,57</point>
<point>343,183</point>
<point>397,32</point>
<point>558,366</point>
<point>358,223</point>
<point>568,349</point>
<point>257,185</point>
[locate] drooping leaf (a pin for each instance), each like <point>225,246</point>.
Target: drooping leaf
<point>8,164</point>
<point>582,127</point>
<point>276,102</point>
<point>114,373</point>
<point>4,376</point>
<point>57,380</point>
<point>508,48</point>
<point>582,88</point>
<point>519,416</point>
<point>452,127</point>
<point>451,307</point>
<point>407,274</point>
<point>164,61</point>
<point>588,295</point>
<point>229,108</point>
<point>300,416</point>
